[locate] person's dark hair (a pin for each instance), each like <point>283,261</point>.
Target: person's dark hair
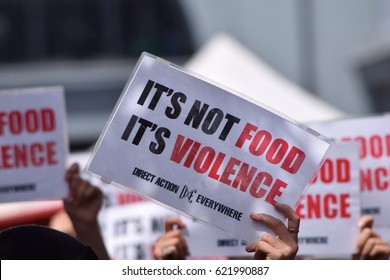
<point>32,242</point>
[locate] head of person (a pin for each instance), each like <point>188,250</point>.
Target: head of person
<point>32,242</point>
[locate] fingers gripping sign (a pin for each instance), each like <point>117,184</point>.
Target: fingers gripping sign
<point>83,204</point>
<point>84,200</point>
<point>285,244</point>
<point>369,244</point>
<point>293,220</point>
<point>171,245</point>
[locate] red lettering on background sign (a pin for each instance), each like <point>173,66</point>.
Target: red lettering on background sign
<point>374,179</point>
<point>126,198</point>
<point>334,171</point>
<point>30,121</point>
<point>330,206</point>
<point>28,155</point>
<point>375,145</point>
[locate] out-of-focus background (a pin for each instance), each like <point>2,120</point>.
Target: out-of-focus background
<point>336,50</point>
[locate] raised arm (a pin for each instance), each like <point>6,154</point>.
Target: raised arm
<point>83,205</point>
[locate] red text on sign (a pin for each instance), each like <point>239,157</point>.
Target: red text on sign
<point>329,206</point>
<point>229,171</point>
<point>334,171</point>
<point>30,121</point>
<point>375,146</point>
<point>27,155</point>
<point>374,179</point>
<point>276,151</point>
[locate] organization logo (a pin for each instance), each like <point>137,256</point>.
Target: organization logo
<point>186,193</point>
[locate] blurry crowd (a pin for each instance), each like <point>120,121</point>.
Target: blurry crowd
<point>74,232</point>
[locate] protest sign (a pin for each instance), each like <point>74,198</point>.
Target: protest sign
<point>373,135</point>
<point>130,235</point>
<point>330,210</point>
<point>33,145</point>
<point>131,230</point>
<point>120,210</point>
<point>197,148</point>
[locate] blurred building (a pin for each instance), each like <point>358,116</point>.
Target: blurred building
<point>90,47</point>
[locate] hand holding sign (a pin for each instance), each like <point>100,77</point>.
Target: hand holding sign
<point>172,244</point>
<point>83,205</point>
<point>84,200</point>
<point>370,246</point>
<point>285,244</point>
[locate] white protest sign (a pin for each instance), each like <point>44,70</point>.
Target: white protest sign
<point>33,144</point>
<point>131,230</point>
<point>330,210</point>
<point>196,147</point>
<point>120,209</point>
<point>130,235</point>
<point>373,135</point>
<point>205,241</point>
